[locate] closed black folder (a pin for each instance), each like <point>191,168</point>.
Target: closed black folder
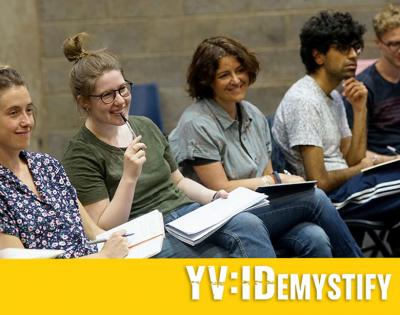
<point>280,190</point>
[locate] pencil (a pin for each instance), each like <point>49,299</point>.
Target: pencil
<point>392,149</point>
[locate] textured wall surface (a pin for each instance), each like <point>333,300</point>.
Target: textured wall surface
<point>20,48</point>
<point>155,40</point>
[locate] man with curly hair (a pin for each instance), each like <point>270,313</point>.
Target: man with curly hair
<point>311,126</point>
<point>382,80</point>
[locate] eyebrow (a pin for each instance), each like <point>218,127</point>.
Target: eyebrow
<point>112,90</point>
<point>238,67</point>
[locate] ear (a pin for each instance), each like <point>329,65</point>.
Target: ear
<point>318,57</point>
<point>83,102</point>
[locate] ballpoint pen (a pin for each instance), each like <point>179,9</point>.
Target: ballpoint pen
<point>392,149</point>
<point>129,125</point>
<point>286,172</point>
<point>103,240</point>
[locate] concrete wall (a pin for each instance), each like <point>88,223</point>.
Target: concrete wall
<point>156,38</point>
<point>20,48</point>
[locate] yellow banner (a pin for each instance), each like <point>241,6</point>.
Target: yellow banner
<point>201,286</point>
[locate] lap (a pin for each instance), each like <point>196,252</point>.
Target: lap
<point>283,213</point>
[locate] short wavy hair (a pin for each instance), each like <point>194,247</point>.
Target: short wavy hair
<point>386,20</point>
<point>325,29</point>
<point>203,68</point>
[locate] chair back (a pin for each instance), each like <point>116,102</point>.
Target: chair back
<point>146,102</point>
<point>278,160</point>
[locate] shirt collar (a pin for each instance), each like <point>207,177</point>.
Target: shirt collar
<point>223,117</point>
<point>5,170</point>
<point>319,90</point>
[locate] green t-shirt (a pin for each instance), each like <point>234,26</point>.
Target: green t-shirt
<point>95,169</point>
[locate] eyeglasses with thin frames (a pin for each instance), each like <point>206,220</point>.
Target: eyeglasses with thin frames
<point>394,46</point>
<point>109,96</point>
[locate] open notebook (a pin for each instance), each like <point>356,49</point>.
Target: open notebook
<point>25,253</point>
<point>148,236</point>
<point>199,224</point>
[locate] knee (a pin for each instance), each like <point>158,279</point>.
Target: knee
<point>248,222</point>
<point>322,202</point>
<point>312,241</point>
<point>321,197</point>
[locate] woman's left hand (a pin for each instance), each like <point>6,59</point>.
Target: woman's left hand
<point>291,178</point>
<point>220,194</point>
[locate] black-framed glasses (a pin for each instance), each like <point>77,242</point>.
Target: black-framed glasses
<point>109,96</point>
<point>394,46</point>
<point>345,49</point>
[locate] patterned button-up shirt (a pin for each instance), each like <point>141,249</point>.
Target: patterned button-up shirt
<point>50,221</point>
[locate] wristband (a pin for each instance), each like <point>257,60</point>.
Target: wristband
<point>215,196</point>
<point>276,177</point>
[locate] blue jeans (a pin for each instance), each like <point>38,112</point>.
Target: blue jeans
<point>309,227</point>
<point>243,236</point>
<point>312,206</point>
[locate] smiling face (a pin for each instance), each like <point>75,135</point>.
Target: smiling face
<point>231,82</point>
<point>107,114</point>
<point>16,119</point>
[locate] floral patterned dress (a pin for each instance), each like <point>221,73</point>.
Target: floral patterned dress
<point>51,221</point>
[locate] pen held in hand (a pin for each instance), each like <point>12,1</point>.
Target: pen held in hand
<point>129,125</point>
<point>103,240</point>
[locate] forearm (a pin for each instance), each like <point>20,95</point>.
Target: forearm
<point>334,179</point>
<point>90,227</point>
<point>250,183</point>
<point>118,210</point>
<point>358,146</point>
<point>196,191</point>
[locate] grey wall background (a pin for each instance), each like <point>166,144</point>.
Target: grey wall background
<point>155,40</point>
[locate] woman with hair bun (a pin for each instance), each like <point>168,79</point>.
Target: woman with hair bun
<point>119,176</point>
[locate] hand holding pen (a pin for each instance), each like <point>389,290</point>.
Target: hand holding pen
<point>126,121</point>
<point>134,158</point>
<point>116,246</point>
<point>287,177</point>
<point>135,154</point>
<point>105,239</point>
